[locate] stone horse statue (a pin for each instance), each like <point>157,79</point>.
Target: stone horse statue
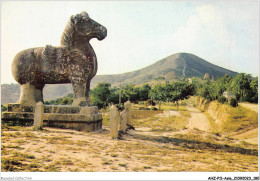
<point>73,62</point>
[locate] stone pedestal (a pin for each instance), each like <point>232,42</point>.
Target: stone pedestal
<point>60,116</point>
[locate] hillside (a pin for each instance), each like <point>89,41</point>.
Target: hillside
<point>174,67</point>
<point>10,93</point>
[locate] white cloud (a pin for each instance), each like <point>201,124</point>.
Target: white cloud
<point>187,36</point>
<point>206,24</point>
<point>211,19</point>
<point>206,33</point>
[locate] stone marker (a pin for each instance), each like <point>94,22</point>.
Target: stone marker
<point>114,119</point>
<point>128,110</point>
<point>123,121</point>
<point>38,116</point>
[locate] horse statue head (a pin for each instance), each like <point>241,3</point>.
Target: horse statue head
<point>81,26</point>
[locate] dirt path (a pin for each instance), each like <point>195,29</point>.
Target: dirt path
<point>198,120</point>
<point>253,107</point>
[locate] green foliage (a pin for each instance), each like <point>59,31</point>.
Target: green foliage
<point>222,99</point>
<point>120,107</point>
<point>67,100</point>
<point>243,86</point>
<point>172,91</point>
<point>144,92</point>
<point>144,108</point>
<point>157,93</point>
<point>3,108</point>
<point>154,108</point>
<point>101,94</point>
<point>160,78</point>
<point>254,90</point>
<point>129,92</point>
<point>150,102</point>
<point>233,102</point>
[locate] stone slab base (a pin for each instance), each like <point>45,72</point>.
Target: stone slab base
<point>78,118</point>
<point>62,109</point>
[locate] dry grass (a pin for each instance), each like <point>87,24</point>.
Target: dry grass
<point>139,114</point>
<point>240,118</point>
<point>62,150</point>
<point>213,124</point>
<point>162,124</point>
<point>57,150</point>
<point>184,112</point>
<point>105,121</point>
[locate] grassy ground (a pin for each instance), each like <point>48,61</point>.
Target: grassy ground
<point>240,118</point>
<point>158,143</point>
<point>66,150</point>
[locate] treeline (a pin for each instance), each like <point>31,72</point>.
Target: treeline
<point>243,86</point>
<point>67,100</point>
<point>103,94</point>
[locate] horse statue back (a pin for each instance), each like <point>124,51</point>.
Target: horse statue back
<point>73,62</point>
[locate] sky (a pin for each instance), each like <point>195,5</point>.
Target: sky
<point>225,33</point>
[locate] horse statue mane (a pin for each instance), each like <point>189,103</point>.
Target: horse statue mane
<point>73,62</point>
<point>66,38</point>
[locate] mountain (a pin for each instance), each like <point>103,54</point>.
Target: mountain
<point>174,67</point>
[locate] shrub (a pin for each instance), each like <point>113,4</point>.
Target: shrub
<point>120,107</point>
<point>141,102</point>
<point>233,102</point>
<point>154,109</point>
<point>150,102</point>
<point>183,104</point>
<point>222,99</point>
<point>3,108</point>
<point>144,108</point>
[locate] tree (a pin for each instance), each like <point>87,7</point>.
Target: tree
<point>129,92</point>
<point>158,93</point>
<point>66,101</point>
<point>223,84</point>
<point>254,90</point>
<point>241,86</point>
<point>144,92</point>
<point>100,95</point>
<point>114,96</point>
<point>172,92</point>
<point>180,91</point>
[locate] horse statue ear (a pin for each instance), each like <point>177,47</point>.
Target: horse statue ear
<point>84,15</point>
<point>73,20</point>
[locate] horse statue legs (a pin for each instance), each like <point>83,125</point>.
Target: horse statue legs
<point>30,94</point>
